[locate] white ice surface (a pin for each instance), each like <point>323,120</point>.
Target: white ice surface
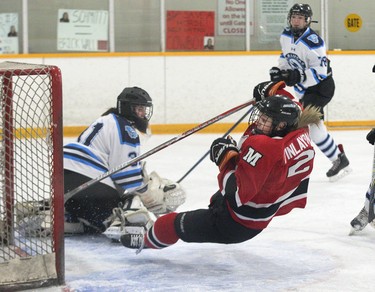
<point>306,250</point>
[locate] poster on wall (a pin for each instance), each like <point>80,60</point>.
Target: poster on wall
<point>82,30</point>
<point>232,17</point>
<point>273,19</point>
<point>190,30</point>
<point>9,33</point>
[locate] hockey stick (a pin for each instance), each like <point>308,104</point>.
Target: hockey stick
<point>371,213</point>
<point>166,144</point>
<point>208,152</point>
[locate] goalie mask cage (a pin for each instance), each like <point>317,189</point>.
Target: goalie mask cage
<point>31,177</point>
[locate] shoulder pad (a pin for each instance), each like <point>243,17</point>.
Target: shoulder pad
<point>313,40</point>
<point>126,131</point>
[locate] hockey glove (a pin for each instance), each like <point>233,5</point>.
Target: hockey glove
<point>292,77</point>
<point>222,150</point>
<point>371,136</point>
<point>275,74</point>
<point>161,195</point>
<point>267,88</point>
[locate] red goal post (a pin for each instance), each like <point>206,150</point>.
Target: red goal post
<point>31,176</point>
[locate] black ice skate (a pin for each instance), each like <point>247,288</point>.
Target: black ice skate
<point>134,241</point>
<point>340,167</point>
<point>359,222</point>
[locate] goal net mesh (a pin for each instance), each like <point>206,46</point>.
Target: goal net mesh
<point>30,175</point>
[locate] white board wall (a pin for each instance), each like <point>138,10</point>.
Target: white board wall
<point>194,88</point>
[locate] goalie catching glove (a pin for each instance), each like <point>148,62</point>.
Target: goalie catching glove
<point>160,195</point>
<point>222,150</point>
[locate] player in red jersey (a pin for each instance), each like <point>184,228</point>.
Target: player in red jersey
<point>264,176</point>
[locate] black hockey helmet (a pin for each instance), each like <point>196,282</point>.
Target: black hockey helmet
<point>130,101</point>
<point>281,110</point>
<point>300,9</point>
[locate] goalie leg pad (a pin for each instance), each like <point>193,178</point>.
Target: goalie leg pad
<point>73,228</point>
<point>36,225</point>
<point>33,218</point>
<point>117,228</point>
<point>28,208</point>
<point>132,218</point>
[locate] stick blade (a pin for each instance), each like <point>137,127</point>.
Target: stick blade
<point>371,213</point>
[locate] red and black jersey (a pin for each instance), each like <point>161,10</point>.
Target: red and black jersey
<point>269,178</point>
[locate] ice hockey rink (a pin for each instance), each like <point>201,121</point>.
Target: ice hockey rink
<point>306,250</point>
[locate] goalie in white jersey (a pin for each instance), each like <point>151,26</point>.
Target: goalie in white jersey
<point>108,142</point>
<point>303,64</point>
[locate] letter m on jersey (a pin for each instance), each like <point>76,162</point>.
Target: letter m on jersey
<point>252,157</point>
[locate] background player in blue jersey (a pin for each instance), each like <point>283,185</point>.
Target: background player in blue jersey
<point>108,142</point>
<point>304,65</point>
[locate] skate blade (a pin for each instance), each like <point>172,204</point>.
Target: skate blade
<point>356,229</point>
<point>353,231</point>
<point>344,172</point>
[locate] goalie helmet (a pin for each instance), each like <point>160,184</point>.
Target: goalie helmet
<point>135,104</point>
<point>276,115</point>
<point>300,9</point>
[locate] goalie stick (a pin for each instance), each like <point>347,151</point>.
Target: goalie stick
<point>166,144</point>
<point>208,152</point>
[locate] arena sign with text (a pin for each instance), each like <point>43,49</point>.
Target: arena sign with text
<point>82,30</point>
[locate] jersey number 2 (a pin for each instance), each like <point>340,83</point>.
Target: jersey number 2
<point>302,165</point>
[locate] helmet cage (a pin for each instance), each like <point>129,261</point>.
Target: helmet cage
<point>134,110</point>
<point>260,123</point>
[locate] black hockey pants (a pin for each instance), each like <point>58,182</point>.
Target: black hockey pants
<point>94,204</point>
<point>319,95</point>
<point>214,224</point>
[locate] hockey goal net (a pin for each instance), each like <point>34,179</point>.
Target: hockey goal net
<point>31,177</point>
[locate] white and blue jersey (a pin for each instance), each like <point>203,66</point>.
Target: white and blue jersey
<point>308,54</point>
<point>108,142</point>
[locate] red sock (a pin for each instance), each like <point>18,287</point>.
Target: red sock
<point>162,234</point>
